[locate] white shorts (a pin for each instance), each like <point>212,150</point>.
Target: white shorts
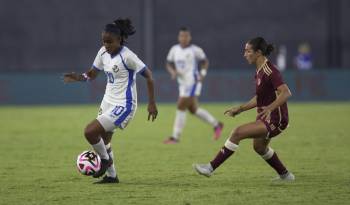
<point>113,116</point>
<point>190,91</point>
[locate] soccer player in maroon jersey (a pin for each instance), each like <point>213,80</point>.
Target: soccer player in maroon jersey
<point>272,113</point>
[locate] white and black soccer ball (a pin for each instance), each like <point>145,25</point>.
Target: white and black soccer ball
<point>88,163</point>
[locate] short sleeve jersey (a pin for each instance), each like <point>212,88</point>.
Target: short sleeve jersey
<point>267,80</point>
<point>186,62</point>
<point>120,70</point>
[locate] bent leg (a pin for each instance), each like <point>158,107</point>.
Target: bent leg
<point>107,137</point>
<point>206,117</point>
<point>269,155</point>
<point>249,130</point>
<point>92,133</point>
<point>260,145</point>
<point>201,113</point>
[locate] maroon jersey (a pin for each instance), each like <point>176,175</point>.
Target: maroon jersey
<point>267,80</point>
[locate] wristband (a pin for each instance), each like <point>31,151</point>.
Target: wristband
<point>85,77</point>
<point>203,72</point>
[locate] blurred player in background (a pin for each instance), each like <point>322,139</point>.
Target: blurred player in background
<point>272,113</point>
<point>183,61</point>
<point>303,60</point>
<point>119,103</point>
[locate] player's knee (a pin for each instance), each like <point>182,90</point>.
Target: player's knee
<point>260,149</point>
<point>88,133</point>
<point>192,110</point>
<point>237,133</point>
<point>107,136</point>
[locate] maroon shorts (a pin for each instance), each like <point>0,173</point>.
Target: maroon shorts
<point>274,128</point>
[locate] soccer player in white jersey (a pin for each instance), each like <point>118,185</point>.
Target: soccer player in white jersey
<point>119,103</point>
<point>183,63</point>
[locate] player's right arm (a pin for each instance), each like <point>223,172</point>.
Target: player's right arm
<point>170,66</point>
<point>170,63</point>
<point>90,74</point>
<point>75,77</point>
<point>232,112</point>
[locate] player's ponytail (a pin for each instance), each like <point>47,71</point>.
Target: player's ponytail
<point>269,49</point>
<point>121,27</point>
<point>259,43</point>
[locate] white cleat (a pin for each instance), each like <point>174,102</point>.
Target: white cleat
<point>204,169</point>
<point>288,177</point>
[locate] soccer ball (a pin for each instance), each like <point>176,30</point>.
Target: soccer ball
<point>88,163</point>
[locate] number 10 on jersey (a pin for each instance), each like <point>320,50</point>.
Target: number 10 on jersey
<point>118,110</point>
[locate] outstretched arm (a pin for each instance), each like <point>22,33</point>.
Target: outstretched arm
<point>75,77</point>
<point>246,106</point>
<point>152,107</point>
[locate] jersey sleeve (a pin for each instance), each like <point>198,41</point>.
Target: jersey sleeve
<point>200,55</point>
<point>171,55</point>
<point>98,65</point>
<point>276,79</point>
<point>134,63</point>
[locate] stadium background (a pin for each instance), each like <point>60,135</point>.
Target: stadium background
<point>40,40</point>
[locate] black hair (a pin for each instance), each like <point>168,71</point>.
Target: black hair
<point>122,28</point>
<point>259,43</point>
<point>184,28</point>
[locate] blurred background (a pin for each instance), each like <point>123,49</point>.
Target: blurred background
<point>40,40</point>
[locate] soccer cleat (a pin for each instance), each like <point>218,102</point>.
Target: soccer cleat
<point>105,163</point>
<point>204,169</point>
<point>108,180</point>
<point>171,140</point>
<point>288,177</point>
<point>217,130</point>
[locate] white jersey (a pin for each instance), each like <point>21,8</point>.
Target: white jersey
<point>186,62</point>
<point>120,70</point>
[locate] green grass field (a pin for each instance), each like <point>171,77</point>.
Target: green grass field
<point>39,146</point>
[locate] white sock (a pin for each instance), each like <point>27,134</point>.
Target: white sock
<point>231,146</point>
<point>268,154</point>
<point>206,117</point>
<point>111,172</point>
<point>179,123</point>
<point>101,150</point>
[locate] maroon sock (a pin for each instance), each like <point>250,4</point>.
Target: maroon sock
<point>223,154</point>
<point>276,163</point>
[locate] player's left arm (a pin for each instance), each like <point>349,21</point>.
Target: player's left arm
<point>136,64</point>
<point>204,66</point>
<point>152,107</point>
<point>203,62</point>
<point>283,93</point>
